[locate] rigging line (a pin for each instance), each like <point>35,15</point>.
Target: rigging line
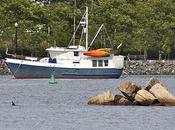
<point>108,38</point>
<point>81,37</point>
<point>95,36</point>
<point>18,68</point>
<point>76,30</point>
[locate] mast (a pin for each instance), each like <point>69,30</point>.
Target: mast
<point>84,24</point>
<point>86,27</point>
<point>75,4</point>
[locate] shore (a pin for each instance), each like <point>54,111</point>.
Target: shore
<point>3,68</point>
<point>149,67</point>
<point>131,67</point>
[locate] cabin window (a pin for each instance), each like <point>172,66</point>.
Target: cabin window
<point>54,60</point>
<point>50,60</point>
<point>76,62</point>
<point>76,53</point>
<point>100,63</point>
<point>105,62</point>
<point>94,63</point>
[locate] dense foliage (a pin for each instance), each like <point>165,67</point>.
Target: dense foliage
<point>142,26</point>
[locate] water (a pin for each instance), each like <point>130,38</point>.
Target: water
<point>63,106</point>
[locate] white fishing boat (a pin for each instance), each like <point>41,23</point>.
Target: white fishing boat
<point>74,61</point>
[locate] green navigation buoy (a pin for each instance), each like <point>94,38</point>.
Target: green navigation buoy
<point>52,79</point>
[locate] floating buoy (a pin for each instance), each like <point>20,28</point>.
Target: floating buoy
<point>52,79</point>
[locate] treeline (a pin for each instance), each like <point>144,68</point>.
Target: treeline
<point>145,27</point>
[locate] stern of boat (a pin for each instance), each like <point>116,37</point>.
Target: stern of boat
<point>118,61</point>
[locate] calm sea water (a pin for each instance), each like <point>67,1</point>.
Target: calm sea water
<point>63,106</point>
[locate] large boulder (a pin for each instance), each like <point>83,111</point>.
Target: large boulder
<point>106,98</point>
<point>162,94</point>
<point>145,98</point>
<point>152,82</point>
<point>129,89</point>
<point>120,100</point>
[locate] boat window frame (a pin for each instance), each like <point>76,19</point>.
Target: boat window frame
<point>100,63</point>
<point>106,63</point>
<point>76,53</point>
<point>94,63</point>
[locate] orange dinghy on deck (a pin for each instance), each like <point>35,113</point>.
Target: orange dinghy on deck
<point>104,49</point>
<point>96,53</point>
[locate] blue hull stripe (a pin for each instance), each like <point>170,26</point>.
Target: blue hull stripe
<point>29,71</point>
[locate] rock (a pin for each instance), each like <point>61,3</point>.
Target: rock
<point>129,89</point>
<point>120,100</point>
<point>145,98</point>
<point>151,83</point>
<point>106,98</point>
<point>162,94</point>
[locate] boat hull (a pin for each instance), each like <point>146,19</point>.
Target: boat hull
<point>32,71</point>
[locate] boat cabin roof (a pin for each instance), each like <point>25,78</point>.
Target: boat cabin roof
<point>67,49</point>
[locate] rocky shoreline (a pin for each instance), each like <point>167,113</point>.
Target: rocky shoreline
<point>3,68</point>
<point>131,67</point>
<point>149,67</point>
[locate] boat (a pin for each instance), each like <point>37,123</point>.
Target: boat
<point>70,62</point>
